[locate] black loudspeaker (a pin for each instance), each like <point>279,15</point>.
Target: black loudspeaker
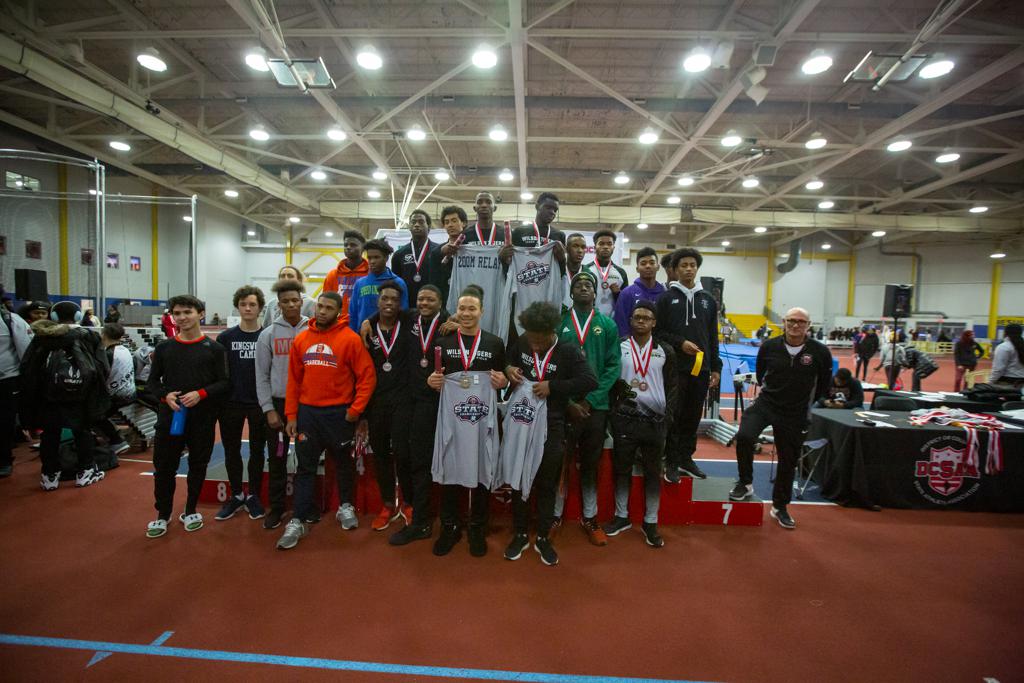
<point>30,285</point>
<point>897,302</point>
<point>715,286</point>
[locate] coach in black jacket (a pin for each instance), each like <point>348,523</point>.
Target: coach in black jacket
<point>793,371</point>
<point>688,323</point>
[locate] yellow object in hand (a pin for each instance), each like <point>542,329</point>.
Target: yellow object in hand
<point>698,362</point>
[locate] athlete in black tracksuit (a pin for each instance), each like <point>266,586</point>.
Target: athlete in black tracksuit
<point>687,317</point>
<point>791,378</point>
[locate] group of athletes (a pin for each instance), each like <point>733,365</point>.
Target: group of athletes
<point>374,355</point>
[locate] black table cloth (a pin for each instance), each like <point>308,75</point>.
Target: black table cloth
<point>961,402</point>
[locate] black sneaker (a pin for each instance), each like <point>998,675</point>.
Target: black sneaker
<point>519,543</point>
<point>228,510</point>
<point>781,515</point>
<point>671,474</point>
<point>410,533</point>
<point>312,519</point>
<point>690,469</point>
<point>546,551</point>
<point>450,535</point>
<point>651,535</point>
<point>617,525</point>
<point>255,507</point>
<point>741,491</point>
<point>273,519</point>
<point>6,471</point>
<point>477,540</point>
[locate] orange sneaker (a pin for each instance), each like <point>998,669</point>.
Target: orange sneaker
<point>407,514</point>
<point>384,518</point>
<point>594,531</point>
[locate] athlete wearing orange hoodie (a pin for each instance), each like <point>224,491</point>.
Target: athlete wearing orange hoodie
<point>330,380</point>
<point>342,278</point>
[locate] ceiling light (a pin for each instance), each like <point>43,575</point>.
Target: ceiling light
<point>726,243</point>
<point>978,209</point>
<point>686,181</point>
<point>816,142</point>
<point>760,230</point>
<point>673,199</point>
<point>485,57</point>
<point>731,139</point>
<point>318,175</point>
<point>250,233</point>
<point>380,175</point>
<point>337,134</point>
<point>938,65</point>
<point>625,239</point>
<point>997,254</point>
<point>150,59</point>
<point>369,58</point>
<point>878,233</point>
<point>947,158</point>
<point>373,194</point>
<point>441,175</point>
<point>817,63</point>
<point>120,146</point>
<point>826,246</point>
<point>92,191</point>
<point>526,196</point>
<point>259,132</point>
<point>498,133</point>
<point>294,219</point>
<point>19,183</point>
<point>230,194</point>
<point>328,233</point>
<point>899,145</point>
<point>416,133</point>
<point>641,226</point>
<point>697,60</point>
<point>256,59</point>
<point>826,204</point>
<point>621,178</point>
<point>814,184</point>
<point>648,137</point>
<point>751,182</point>
<point>506,176</point>
<point>187,219</point>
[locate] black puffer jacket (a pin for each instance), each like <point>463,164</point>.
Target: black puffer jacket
<point>49,336</point>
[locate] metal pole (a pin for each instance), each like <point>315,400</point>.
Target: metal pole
<point>192,256</point>
<point>101,233</point>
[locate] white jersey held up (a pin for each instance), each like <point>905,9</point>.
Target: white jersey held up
<point>466,441</point>
<point>534,276</point>
<point>477,264</point>
<point>525,430</point>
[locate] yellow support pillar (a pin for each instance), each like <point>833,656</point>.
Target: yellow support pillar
<point>851,278</point>
<point>62,227</point>
<point>768,278</point>
<point>154,245</point>
<point>993,300</point>
<point>288,247</point>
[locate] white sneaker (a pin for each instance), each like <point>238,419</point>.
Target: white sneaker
<point>50,482</point>
<point>347,517</point>
<point>89,477</point>
<point>124,446</point>
<point>292,533</point>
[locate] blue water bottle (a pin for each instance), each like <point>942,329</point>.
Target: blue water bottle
<point>178,420</point>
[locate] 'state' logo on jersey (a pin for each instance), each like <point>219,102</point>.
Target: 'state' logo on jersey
<point>320,354</point>
<point>534,273</point>
<point>472,410</point>
<point>523,411</point>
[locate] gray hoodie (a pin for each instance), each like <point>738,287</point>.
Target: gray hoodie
<point>272,349</point>
<point>14,340</point>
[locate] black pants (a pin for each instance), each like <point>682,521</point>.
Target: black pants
<point>74,416</point>
<point>586,438</point>
<point>388,422</point>
<point>545,486</point>
<point>682,432</point>
<point>480,501</point>
<point>789,437</point>
<point>322,428</point>
<point>420,427</point>
<point>8,418</point>
<point>861,369</point>
<point>200,426</point>
<point>277,462</point>
<point>108,429</point>
<point>633,435</point>
<point>232,418</point>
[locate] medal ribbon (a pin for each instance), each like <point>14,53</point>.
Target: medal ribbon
<point>604,273</point>
<point>541,367</point>
<point>641,357</point>
<point>536,231</point>
<point>423,254</point>
<point>384,346</point>
<point>424,343</point>
<point>467,361</point>
<point>480,235</point>
<point>581,333</point>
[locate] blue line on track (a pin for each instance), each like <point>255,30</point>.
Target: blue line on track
<point>315,663</point>
<point>100,656</point>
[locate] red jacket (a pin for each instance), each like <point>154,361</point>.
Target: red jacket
<point>328,368</point>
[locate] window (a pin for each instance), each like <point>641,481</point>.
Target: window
<point>17,181</point>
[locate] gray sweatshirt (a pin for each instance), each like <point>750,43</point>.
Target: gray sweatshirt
<point>272,349</point>
<point>12,349</point>
<point>273,312</point>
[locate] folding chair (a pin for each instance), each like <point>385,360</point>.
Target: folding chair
<point>806,450</point>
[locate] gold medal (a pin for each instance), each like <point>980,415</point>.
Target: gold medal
<point>465,382</point>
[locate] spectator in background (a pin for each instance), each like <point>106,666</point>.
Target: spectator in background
<point>167,325</point>
<point>1008,358</point>
<point>921,365</point>
<point>14,342</point>
<point>33,311</point>
<point>944,337</point>
<point>113,315</point>
<point>845,391</point>
<point>216,320</point>
<point>966,353</point>
<point>865,349</point>
<point>120,383</point>
<point>89,319</point>
<point>7,303</point>
<point>272,312</point>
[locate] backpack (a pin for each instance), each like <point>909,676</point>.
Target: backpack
<point>69,374</point>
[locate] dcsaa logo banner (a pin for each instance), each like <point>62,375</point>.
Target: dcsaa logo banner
<point>945,472</point>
